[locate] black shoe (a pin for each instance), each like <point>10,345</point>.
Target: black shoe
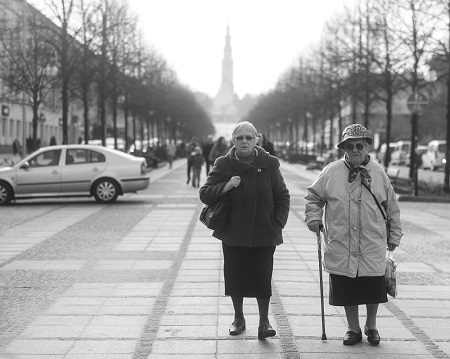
<point>352,338</point>
<point>237,327</point>
<point>265,330</point>
<point>373,337</point>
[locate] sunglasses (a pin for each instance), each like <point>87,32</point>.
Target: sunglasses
<point>248,138</point>
<point>350,146</point>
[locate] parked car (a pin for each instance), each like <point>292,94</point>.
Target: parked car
<point>382,152</point>
<point>434,158</point>
<point>400,153</point>
<point>74,170</point>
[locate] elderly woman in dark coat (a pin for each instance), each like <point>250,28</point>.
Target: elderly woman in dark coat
<point>259,207</point>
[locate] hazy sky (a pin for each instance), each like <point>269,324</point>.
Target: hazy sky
<point>267,37</point>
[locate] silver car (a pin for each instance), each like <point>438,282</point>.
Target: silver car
<point>74,170</point>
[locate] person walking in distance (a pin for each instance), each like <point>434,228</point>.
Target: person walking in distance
<point>341,203</point>
<point>258,210</point>
<point>171,149</point>
<point>220,148</point>
<point>189,150</point>
<point>197,163</point>
<point>207,147</point>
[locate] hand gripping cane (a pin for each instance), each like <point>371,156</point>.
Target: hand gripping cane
<point>319,249</point>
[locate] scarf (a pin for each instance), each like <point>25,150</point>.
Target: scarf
<point>354,170</point>
<point>247,159</point>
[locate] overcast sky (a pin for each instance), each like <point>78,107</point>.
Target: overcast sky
<point>267,37</point>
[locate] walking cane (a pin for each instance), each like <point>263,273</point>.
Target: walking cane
<point>319,245</point>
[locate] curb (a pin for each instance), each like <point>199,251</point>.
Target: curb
<point>410,198</point>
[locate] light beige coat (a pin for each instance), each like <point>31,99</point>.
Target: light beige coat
<point>355,230</point>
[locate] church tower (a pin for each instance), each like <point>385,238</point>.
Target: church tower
<point>225,108</point>
<point>227,64</point>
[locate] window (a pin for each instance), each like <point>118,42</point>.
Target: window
<point>48,158</point>
<point>78,156</point>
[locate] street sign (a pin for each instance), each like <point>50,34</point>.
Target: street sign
<point>417,103</point>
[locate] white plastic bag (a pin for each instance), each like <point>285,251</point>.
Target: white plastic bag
<point>390,276</point>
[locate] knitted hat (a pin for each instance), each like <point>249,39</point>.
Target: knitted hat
<point>354,131</point>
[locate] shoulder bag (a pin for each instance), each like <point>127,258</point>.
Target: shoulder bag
<point>391,264</point>
<point>214,216</point>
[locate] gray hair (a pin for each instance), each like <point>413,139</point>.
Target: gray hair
<point>242,124</point>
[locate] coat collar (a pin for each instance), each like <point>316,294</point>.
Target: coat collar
<point>240,167</point>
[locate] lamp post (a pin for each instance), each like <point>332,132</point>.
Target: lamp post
<point>168,121</point>
<point>150,129</point>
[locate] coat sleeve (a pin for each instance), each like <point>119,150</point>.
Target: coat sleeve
<point>315,199</point>
<point>211,191</point>
<point>281,197</point>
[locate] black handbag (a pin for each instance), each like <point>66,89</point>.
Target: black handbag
<point>215,216</point>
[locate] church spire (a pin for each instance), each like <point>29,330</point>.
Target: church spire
<point>227,63</point>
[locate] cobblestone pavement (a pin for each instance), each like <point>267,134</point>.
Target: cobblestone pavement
<point>143,279</point>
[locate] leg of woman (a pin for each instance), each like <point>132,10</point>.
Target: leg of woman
<point>370,329</point>
<point>351,312</point>
<point>263,308</point>
<point>371,320</point>
<point>238,325</point>
<point>265,330</point>
<point>238,304</point>
<point>354,334</point>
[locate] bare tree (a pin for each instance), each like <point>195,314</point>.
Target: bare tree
<point>415,29</point>
<point>28,61</point>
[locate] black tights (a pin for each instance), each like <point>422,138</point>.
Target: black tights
<point>263,308</point>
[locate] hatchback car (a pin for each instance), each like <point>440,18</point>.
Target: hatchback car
<point>74,170</point>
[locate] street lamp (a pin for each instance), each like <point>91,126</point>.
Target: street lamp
<point>168,120</point>
<point>150,128</point>
<point>309,116</point>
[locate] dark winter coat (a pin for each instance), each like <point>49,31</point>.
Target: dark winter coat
<point>259,206</point>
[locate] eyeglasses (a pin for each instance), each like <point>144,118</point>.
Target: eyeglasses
<point>248,138</point>
<point>350,146</point>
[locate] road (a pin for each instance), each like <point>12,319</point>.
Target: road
<point>142,278</point>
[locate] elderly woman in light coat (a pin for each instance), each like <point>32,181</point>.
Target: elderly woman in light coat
<point>340,204</point>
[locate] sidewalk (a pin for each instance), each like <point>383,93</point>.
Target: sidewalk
<point>152,287</point>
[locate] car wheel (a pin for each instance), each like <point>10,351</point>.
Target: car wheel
<point>6,193</point>
<point>106,191</point>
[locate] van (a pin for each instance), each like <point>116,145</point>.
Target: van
<point>434,158</point>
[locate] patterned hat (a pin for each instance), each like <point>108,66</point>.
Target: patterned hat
<point>354,131</point>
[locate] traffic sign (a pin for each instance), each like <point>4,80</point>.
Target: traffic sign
<point>417,103</point>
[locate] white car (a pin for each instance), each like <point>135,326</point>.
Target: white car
<point>74,170</point>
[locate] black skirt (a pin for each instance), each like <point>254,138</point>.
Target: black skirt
<point>248,271</point>
<point>355,291</point>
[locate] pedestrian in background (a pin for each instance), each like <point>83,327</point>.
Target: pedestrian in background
<point>220,148</point>
<point>266,144</point>
<point>259,206</point>
<point>355,230</point>
<point>206,152</point>
<point>16,147</point>
<point>171,149</point>
<point>197,163</point>
<point>189,150</point>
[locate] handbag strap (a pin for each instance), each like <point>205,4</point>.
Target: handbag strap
<point>375,198</point>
